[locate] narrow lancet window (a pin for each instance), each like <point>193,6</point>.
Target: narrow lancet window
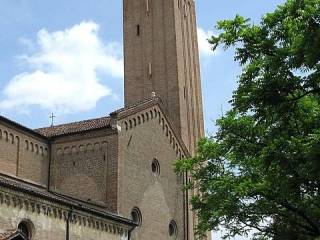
<point>147,6</point>
<point>150,69</point>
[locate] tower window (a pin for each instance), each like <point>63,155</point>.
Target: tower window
<point>147,6</point>
<point>150,69</point>
<point>138,30</point>
<point>185,9</point>
<point>155,167</point>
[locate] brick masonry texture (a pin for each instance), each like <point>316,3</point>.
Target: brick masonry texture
<point>106,162</point>
<point>23,155</point>
<point>159,198</point>
<point>85,166</point>
<point>162,57</point>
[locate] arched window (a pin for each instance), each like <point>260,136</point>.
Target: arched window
<point>136,216</point>
<point>173,230</point>
<point>26,228</point>
<point>155,167</point>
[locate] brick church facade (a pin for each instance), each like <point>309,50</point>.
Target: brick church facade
<point>112,177</point>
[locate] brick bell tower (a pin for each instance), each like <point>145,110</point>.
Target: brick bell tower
<point>161,56</point>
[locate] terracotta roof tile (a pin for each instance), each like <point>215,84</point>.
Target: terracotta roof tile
<point>85,125</point>
<point>91,124</point>
<point>7,235</point>
<point>74,127</point>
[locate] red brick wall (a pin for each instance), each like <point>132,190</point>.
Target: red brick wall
<point>159,198</point>
<point>84,166</point>
<point>23,155</point>
<point>167,41</point>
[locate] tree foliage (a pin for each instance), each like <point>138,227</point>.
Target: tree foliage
<point>262,168</point>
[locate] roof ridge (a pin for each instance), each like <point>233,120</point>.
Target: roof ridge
<point>82,125</point>
<point>20,126</point>
<point>108,116</point>
<point>137,104</point>
<point>69,123</point>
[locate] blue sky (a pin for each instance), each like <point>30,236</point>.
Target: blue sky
<point>34,79</point>
<point>30,30</point>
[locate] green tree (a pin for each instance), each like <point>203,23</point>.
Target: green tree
<point>261,170</point>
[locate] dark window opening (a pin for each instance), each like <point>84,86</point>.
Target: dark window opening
<point>173,230</point>
<point>136,216</point>
<point>138,30</point>
<point>155,167</point>
<point>24,229</point>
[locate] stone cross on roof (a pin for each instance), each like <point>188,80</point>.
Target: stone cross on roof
<point>52,119</point>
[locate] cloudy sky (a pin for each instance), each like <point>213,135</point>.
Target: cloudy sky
<point>66,57</point>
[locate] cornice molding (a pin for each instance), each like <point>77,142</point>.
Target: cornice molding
<point>10,198</point>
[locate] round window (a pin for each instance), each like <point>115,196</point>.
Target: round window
<point>155,167</point>
<point>136,216</point>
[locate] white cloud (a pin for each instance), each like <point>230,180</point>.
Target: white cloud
<point>64,71</point>
<point>205,48</point>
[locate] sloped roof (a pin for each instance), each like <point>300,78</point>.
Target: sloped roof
<point>5,235</point>
<point>92,124</point>
<point>97,123</point>
<point>19,126</point>
<point>74,127</point>
<point>12,235</point>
